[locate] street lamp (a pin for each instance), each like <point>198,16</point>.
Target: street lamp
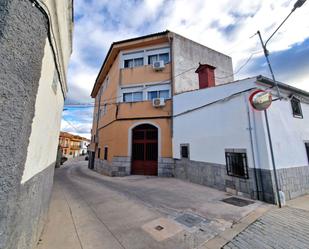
<point>298,4</point>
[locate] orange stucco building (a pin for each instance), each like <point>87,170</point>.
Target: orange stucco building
<point>132,123</point>
<point>72,145</point>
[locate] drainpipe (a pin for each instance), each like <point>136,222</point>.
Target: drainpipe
<point>172,84</point>
<point>98,118</point>
<point>272,159</point>
<point>252,149</point>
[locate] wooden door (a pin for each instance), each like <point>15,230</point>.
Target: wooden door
<point>145,150</point>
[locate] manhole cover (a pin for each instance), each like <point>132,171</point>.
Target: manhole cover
<point>189,220</point>
<point>237,201</point>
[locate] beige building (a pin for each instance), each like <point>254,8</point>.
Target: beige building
<point>132,126</point>
<point>35,46</point>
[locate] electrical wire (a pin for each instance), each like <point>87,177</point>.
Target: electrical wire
<point>70,124</point>
<point>241,67</point>
<point>120,96</point>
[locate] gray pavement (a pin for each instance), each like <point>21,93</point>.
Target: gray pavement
<point>279,228</point>
<point>91,211</point>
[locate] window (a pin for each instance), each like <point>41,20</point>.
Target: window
<point>136,62</point>
<point>105,153</point>
<point>184,150</point>
<point>236,164</point>
<point>164,57</point>
<point>133,97</point>
<point>296,108</point>
<point>307,149</point>
<point>158,94</point>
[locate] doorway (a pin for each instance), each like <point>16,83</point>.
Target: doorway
<point>145,150</point>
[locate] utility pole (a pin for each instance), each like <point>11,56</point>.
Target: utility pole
<point>298,4</point>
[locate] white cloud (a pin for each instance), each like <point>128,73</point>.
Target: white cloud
<point>224,25</point>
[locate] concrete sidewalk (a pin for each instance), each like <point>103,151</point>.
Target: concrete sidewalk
<point>287,227</point>
<point>91,211</point>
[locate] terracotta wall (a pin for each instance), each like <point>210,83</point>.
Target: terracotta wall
<point>116,137</point>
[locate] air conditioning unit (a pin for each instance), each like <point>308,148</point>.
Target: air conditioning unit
<point>158,102</point>
<point>158,65</point>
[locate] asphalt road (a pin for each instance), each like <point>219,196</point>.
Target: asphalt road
<point>91,211</point>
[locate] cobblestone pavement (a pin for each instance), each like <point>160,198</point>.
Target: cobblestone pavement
<point>280,228</point>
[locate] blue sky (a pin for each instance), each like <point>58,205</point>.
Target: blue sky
<point>224,25</point>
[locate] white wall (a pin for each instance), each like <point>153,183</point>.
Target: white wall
<point>44,136</point>
<point>225,124</point>
<point>212,129</point>
<point>289,134</point>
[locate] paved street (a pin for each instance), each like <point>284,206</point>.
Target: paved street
<point>280,228</point>
<point>89,210</point>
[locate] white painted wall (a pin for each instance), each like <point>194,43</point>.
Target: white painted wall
<point>289,134</point>
<point>212,129</point>
<point>225,125</point>
<point>44,136</point>
<point>43,140</point>
<point>60,14</point>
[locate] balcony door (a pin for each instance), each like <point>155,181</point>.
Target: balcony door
<point>144,150</point>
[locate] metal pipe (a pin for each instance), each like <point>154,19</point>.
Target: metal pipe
<point>266,53</point>
<point>272,159</point>
<point>252,149</point>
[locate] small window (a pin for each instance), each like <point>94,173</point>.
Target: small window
<point>133,97</point>
<point>184,150</point>
<point>296,108</point>
<point>152,95</point>
<point>164,94</point>
<point>236,164</point>
<point>137,62</point>
<point>307,149</point>
<point>105,153</point>
<point>162,57</point>
<point>158,94</point>
<point>152,59</point>
<point>99,153</point>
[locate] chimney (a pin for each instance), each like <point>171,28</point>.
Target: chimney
<point>206,75</point>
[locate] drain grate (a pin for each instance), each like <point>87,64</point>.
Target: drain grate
<point>189,220</point>
<point>237,201</point>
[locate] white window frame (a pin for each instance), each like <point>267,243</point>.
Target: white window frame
<point>155,50</point>
<point>145,88</point>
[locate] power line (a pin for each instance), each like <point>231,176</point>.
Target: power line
<point>106,101</point>
<point>68,122</point>
<point>242,66</point>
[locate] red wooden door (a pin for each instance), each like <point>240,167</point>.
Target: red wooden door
<point>145,150</point>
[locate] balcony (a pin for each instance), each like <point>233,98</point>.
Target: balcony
<point>144,74</point>
<point>75,147</point>
<point>143,109</point>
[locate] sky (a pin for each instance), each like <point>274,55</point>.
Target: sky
<point>227,26</point>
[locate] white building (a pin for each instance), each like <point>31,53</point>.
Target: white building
<point>221,141</point>
<point>84,146</point>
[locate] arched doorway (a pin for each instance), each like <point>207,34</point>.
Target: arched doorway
<point>144,150</point>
